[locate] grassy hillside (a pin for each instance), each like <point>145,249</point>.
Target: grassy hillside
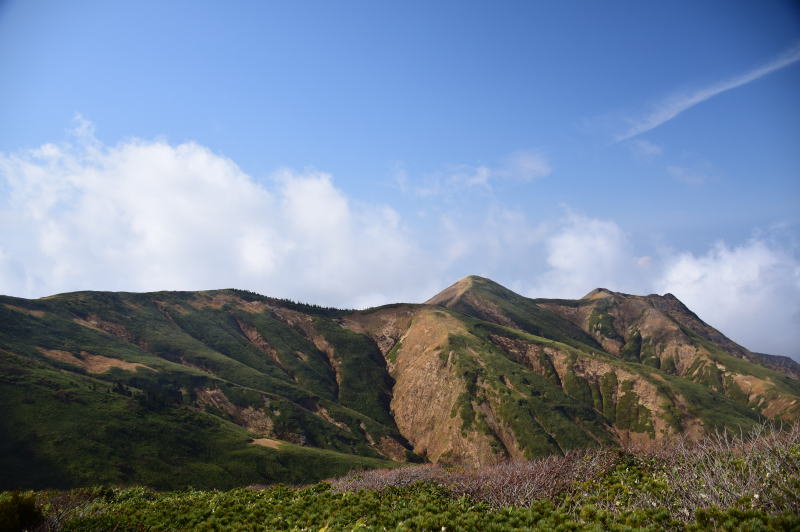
<point>226,388</point>
<point>61,430</point>
<point>495,392</point>
<point>487,300</point>
<point>168,390</point>
<point>654,331</point>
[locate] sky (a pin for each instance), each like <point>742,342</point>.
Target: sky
<point>359,153</point>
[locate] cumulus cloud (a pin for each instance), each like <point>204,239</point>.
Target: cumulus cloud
<point>585,253</point>
<point>502,241</point>
<point>148,215</point>
<point>751,292</point>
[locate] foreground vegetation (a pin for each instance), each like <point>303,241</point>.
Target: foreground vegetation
<point>722,483</point>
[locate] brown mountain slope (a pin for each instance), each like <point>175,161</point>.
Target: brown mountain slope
<point>661,332</point>
<point>458,398</point>
<point>468,391</point>
<point>656,331</point>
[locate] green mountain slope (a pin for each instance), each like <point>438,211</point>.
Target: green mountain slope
<point>655,331</point>
<point>227,387</point>
<point>491,392</point>
<point>187,379</point>
<point>61,430</point>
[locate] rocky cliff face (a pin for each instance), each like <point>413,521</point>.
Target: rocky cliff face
<point>476,375</point>
<point>661,332</point>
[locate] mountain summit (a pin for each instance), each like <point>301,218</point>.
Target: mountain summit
<point>228,387</point>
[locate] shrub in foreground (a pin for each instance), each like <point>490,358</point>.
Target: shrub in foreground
<point>722,483</point>
<point>760,470</point>
<point>18,511</point>
<point>413,507</point>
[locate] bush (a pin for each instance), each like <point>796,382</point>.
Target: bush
<point>18,511</point>
<point>756,471</point>
<point>725,482</point>
<point>499,485</point>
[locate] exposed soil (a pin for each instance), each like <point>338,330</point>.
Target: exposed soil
<point>95,322</point>
<point>217,399</point>
<point>386,326</point>
<point>267,442</point>
<point>427,390</point>
<point>218,301</point>
<point>452,293</point>
<point>255,338</point>
<point>29,312</point>
<point>90,362</point>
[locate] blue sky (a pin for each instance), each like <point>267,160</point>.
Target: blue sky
<point>395,147</point>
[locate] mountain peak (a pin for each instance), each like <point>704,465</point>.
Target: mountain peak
<point>453,292</point>
<point>456,291</point>
<point>598,293</point>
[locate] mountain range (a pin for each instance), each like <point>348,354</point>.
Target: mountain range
<point>228,387</point>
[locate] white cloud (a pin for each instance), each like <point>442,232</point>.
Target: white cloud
<point>690,175</point>
<point>750,292</point>
<point>525,166</point>
<point>583,254</point>
<point>147,215</point>
<point>521,166</point>
<point>645,149</point>
<point>667,109</point>
<point>500,240</point>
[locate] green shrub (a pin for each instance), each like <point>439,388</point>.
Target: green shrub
<point>18,511</point>
<point>720,483</point>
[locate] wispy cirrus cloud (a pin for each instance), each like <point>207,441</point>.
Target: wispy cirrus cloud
<point>645,149</point>
<point>697,175</point>
<point>519,166</point>
<point>669,108</point>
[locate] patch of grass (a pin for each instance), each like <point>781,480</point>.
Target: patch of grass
<point>543,418</point>
<point>577,387</point>
<point>365,383</point>
<point>648,354</point>
<point>714,410</point>
<point>630,414</point>
<point>782,384</point>
<point>312,371</point>
<point>601,322</point>
<point>391,355</point>
<point>608,391</point>
<point>631,351</point>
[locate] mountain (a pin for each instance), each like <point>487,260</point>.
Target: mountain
<point>227,387</point>
<point>655,331</point>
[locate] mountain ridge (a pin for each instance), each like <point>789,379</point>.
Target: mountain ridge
<point>476,375</point>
